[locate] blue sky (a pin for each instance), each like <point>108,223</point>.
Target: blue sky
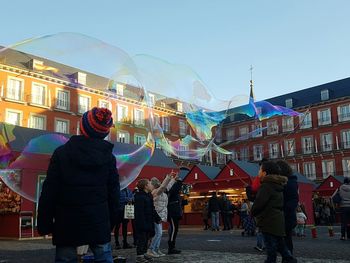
<point>291,44</point>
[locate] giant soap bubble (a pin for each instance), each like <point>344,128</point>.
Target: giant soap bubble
<point>173,108</point>
<point>80,65</point>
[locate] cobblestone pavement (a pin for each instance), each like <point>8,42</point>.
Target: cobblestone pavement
<point>198,246</point>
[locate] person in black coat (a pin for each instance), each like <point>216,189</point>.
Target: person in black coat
<point>214,212</point>
<point>79,199</point>
<point>291,200</point>
<point>174,214</point>
<point>145,217</point>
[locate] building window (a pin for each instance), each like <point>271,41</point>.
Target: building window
<point>120,89</point>
<point>62,126</point>
<point>166,124</point>
<point>305,121</point>
<point>345,139</point>
<point>257,130</point>
<point>183,150</point>
<point>84,104</point>
<point>310,170</point>
<point>156,120</point>
<point>328,168</point>
<point>326,142</point>
<point>38,96</point>
<point>183,127</point>
<point>152,100</point>
<point>243,132</point>
<point>179,107</point>
<point>294,167</point>
<point>105,104</point>
<point>37,122</point>
<point>244,154</point>
<point>346,167</point>
<point>289,103</point>
<point>123,137</point>
<point>230,134</point>
<point>80,78</point>
<point>15,89</point>
<point>289,147</point>
<point>234,155</point>
<point>218,134</point>
<point>324,94</point>
<point>62,100</point>
<point>274,150</point>
<point>307,144</point>
<point>272,127</point>
<point>258,152</point>
<point>14,117</point>
<point>139,139</point>
<point>324,117</point>
<point>139,118</point>
<point>123,114</point>
<point>288,124</point>
<point>344,113</point>
<point>220,158</point>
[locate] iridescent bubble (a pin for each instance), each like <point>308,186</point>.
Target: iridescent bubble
<point>86,65</point>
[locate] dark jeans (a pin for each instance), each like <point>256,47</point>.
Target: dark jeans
<point>142,242</point>
<point>173,229</point>
<point>345,220</point>
<point>102,254</point>
<point>124,223</point>
<point>206,223</point>
<point>134,235</point>
<point>274,244</point>
<point>226,218</point>
<point>288,239</point>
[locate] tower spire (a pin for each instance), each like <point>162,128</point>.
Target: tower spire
<point>251,95</point>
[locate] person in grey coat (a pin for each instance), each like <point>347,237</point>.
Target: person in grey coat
<point>344,192</point>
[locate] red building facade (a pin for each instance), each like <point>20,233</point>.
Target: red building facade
<point>316,143</point>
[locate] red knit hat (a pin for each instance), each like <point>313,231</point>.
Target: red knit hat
<point>96,123</point>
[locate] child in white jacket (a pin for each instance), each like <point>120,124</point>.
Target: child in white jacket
<point>301,221</point>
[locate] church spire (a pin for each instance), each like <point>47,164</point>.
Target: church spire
<point>251,94</point>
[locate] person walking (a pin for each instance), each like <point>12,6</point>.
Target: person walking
<point>290,202</point>
<point>126,198</point>
<point>145,217</point>
<point>174,214</point>
<point>301,221</point>
<point>268,210</point>
<point>226,211</point>
<point>78,204</point>
<point>344,192</point>
<point>205,216</point>
<point>160,200</point>
<point>214,208</point>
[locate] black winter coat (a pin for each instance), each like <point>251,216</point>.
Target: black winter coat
<point>268,205</point>
<point>79,199</point>
<point>145,214</point>
<point>213,204</point>
<point>291,200</point>
<point>175,201</point>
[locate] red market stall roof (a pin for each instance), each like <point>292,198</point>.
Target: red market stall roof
<point>329,185</point>
<point>201,177</point>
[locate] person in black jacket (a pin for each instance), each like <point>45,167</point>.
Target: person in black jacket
<point>290,202</point>
<point>79,199</point>
<point>214,212</point>
<point>145,217</point>
<point>174,214</point>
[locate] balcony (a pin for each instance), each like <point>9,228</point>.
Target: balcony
<point>125,120</point>
<point>287,128</point>
<point>39,101</point>
<point>308,150</point>
<point>344,117</point>
<point>139,123</point>
<point>345,145</point>
<point>324,121</point>
<point>272,130</point>
<point>306,125</point>
<point>62,105</point>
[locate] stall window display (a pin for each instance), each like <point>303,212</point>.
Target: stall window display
<point>10,202</point>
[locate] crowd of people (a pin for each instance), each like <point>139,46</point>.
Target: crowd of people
<point>81,203</point>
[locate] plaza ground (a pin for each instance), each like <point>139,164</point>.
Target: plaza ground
<point>199,246</point>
